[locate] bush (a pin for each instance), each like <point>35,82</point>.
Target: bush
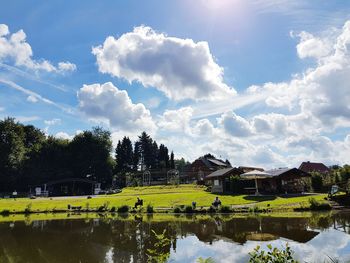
<point>149,209</point>
<point>274,255</point>
<point>225,209</point>
<point>28,209</point>
<point>211,210</point>
<point>177,210</point>
<point>315,205</point>
<point>253,209</point>
<point>189,209</point>
<point>113,209</point>
<point>5,212</point>
<point>317,182</point>
<point>123,209</point>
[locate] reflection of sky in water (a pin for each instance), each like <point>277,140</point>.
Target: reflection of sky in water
<point>332,243</point>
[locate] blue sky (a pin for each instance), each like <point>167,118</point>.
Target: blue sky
<point>251,81</point>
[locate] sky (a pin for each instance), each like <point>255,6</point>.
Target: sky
<point>260,83</point>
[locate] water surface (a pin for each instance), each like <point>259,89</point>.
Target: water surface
<point>131,239</point>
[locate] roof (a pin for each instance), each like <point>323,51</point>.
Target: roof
<point>221,172</point>
<point>212,164</point>
<point>309,167</point>
<point>250,168</point>
<point>280,171</point>
<point>217,162</point>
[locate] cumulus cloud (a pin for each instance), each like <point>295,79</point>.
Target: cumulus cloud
<point>235,125</point>
<point>311,46</point>
<point>176,120</point>
<point>105,102</point>
<point>64,135</point>
<point>180,68</point>
<point>14,48</point>
<point>321,92</point>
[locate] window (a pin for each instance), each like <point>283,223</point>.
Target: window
<point>216,182</point>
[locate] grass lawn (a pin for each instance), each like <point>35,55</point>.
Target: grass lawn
<point>159,196</point>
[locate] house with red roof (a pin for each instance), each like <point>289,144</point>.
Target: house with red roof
<point>309,167</point>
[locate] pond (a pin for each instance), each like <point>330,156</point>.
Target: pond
<point>313,237</point>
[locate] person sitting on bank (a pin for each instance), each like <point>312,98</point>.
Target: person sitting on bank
<point>139,202</point>
<point>216,202</point>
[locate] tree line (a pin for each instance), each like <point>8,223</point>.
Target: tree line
<point>28,157</point>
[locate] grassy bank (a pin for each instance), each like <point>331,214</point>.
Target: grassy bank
<point>162,198</point>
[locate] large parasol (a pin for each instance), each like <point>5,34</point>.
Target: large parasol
<point>255,175</point>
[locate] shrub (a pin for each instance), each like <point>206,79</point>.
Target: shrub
<point>5,212</point>
<point>317,182</point>
<point>225,209</point>
<point>211,210</point>
<point>253,209</point>
<point>101,208</point>
<point>123,209</point>
<point>315,205</point>
<point>274,255</point>
<point>177,210</point>
<point>28,208</point>
<point>149,209</point>
<point>189,209</point>
<point>113,209</point>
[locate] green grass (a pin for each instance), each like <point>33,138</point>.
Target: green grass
<point>161,197</point>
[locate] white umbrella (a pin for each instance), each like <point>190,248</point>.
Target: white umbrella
<point>255,174</point>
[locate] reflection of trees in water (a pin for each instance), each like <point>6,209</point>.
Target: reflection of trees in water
<point>128,239</point>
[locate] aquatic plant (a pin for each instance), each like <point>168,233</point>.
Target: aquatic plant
<point>160,250</point>
<point>273,255</point>
<point>205,260</point>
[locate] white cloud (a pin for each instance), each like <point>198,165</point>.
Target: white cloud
<point>34,95</point>
<point>66,66</point>
<point>64,135</point>
<point>235,125</point>
<point>176,120</point>
<point>310,46</point>
<point>153,102</point>
<point>32,99</point>
<point>180,68</point>
<point>106,103</point>
<point>52,122</point>
<point>14,48</point>
<point>27,118</point>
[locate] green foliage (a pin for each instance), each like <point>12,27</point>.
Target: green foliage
<point>205,260</point>
<point>5,212</point>
<point>225,209</point>
<point>159,252</point>
<point>317,182</point>
<point>172,163</point>
<point>189,209</point>
<point>28,209</point>
<point>149,209</point>
<point>273,255</point>
<point>177,210</point>
<point>123,209</point>
<point>316,205</point>
<point>124,156</point>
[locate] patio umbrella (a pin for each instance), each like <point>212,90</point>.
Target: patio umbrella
<point>255,174</point>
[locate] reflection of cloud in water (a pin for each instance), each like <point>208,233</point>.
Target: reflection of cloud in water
<point>331,243</point>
